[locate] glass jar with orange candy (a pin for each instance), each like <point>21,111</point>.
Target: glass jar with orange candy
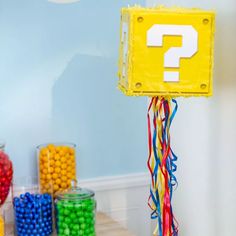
<point>57,166</point>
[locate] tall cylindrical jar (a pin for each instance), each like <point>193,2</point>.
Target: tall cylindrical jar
<point>6,174</point>
<point>57,166</point>
<point>75,212</point>
<point>33,211</point>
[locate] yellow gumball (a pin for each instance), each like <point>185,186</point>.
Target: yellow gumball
<point>51,147</point>
<point>57,149</point>
<point>51,156</point>
<point>67,156</point>
<point>48,176</point>
<point>50,170</point>
<point>63,185</point>
<point>61,152</point>
<point>64,178</point>
<point>58,181</point>
<point>57,163</point>
<point>52,162</point>
<point>63,159</point>
<point>43,151</point>
<point>54,176</point>
<point>69,168</point>
<point>69,175</point>
<point>57,157</point>
<point>63,166</point>
<point>72,151</point>
<point>57,170</point>
<point>55,187</point>
<point>44,158</point>
<point>68,162</point>
<point>63,172</point>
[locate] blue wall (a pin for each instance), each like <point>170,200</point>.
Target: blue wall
<point>58,73</point>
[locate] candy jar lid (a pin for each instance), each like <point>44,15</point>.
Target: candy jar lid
<point>75,193</point>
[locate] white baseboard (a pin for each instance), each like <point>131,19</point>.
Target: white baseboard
<point>124,198</point>
<point>116,182</point>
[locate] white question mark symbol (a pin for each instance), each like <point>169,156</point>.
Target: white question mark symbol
<point>172,56</point>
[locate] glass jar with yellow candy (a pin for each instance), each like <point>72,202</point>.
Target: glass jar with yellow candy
<point>57,167</point>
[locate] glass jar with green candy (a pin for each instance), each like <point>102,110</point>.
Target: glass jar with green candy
<point>75,210</point>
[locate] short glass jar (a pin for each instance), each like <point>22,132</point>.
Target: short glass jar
<point>33,211</point>
<point>2,228</point>
<point>56,166</point>
<point>75,212</point>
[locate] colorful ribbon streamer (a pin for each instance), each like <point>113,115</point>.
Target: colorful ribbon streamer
<point>161,164</point>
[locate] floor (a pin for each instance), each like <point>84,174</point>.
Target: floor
<point>108,227</point>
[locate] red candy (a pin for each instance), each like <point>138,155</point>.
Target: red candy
<point>6,174</point>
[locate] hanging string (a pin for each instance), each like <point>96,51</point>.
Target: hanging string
<point>161,164</point>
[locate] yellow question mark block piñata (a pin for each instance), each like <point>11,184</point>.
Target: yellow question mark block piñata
<point>167,52</point>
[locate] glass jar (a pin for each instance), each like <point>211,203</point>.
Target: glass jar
<point>75,212</point>
<point>57,167</point>
<point>33,211</point>
<point>2,230</point>
<point>6,174</point>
